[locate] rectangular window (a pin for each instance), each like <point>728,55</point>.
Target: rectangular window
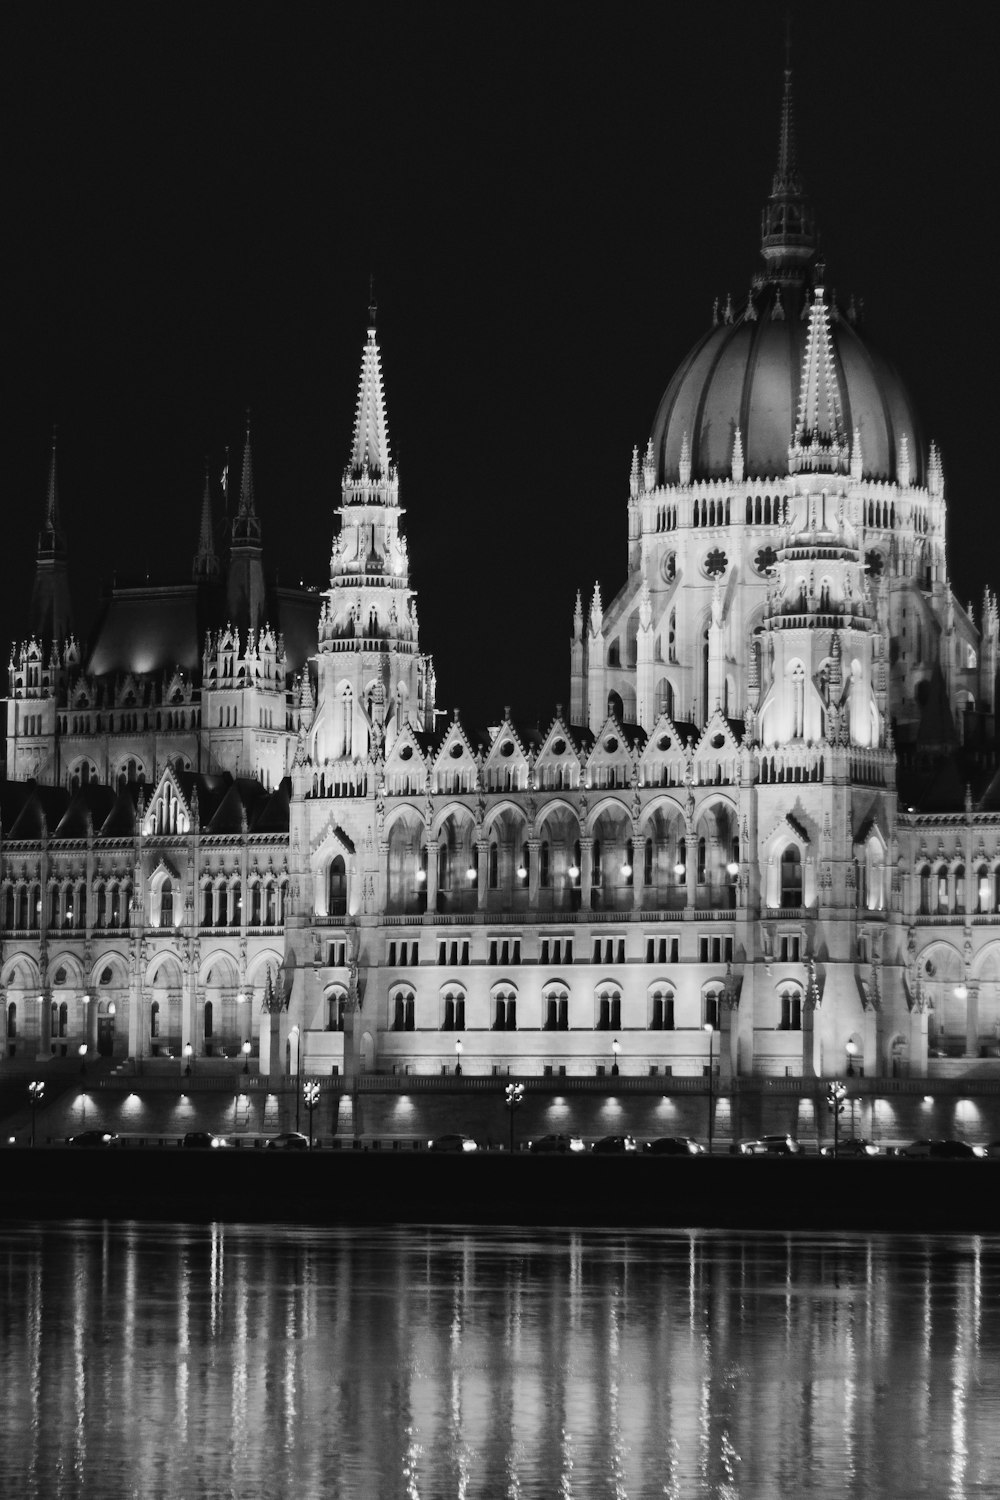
<point>465,951</point>
<point>569,950</point>
<point>442,953</point>
<point>392,956</point>
<point>703,950</point>
<point>545,951</point>
<point>675,948</point>
<point>493,950</point>
<point>597,950</point>
<point>516,955</point>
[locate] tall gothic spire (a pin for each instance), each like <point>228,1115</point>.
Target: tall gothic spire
<point>370,445</point>
<point>246,526</point>
<point>819,441</point>
<point>788,231</point>
<point>206,563</point>
<point>50,611</point>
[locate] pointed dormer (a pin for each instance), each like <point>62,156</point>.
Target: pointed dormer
<point>788,230</point>
<point>819,444</point>
<point>50,614</point>
<point>245,594</point>
<point>206,563</point>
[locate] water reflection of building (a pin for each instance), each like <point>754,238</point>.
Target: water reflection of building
<point>767,806</point>
<point>242,1361</point>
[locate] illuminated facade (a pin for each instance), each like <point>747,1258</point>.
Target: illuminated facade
<point>763,830</point>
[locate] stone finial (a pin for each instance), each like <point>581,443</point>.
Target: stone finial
<point>856,455</point>
<point>684,467</point>
<point>633,478</point>
<point>903,462</point>
<point>738,457</point>
<point>596,611</point>
<point>649,467</point>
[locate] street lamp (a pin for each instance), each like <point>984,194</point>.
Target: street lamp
<point>513,1098</point>
<point>310,1097</point>
<point>616,1047</point>
<point>36,1095</point>
<point>188,1053</point>
<point>836,1093</point>
<point>711,1042</point>
<point>852,1052</point>
<point>82,1049</point>
<point>247,1049</point>
<point>458,1057</point>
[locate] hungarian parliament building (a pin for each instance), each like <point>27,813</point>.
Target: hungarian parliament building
<point>761,835</point>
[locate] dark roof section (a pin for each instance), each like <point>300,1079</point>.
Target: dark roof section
<point>29,812</point>
<point>272,816</point>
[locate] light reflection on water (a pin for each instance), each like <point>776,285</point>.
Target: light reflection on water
<point>143,1360</point>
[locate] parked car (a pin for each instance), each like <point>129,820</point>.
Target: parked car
<point>288,1140</point>
<point>203,1140</point>
<point>947,1150</point>
<point>852,1147</point>
<point>673,1145</point>
<point>614,1145</point>
<point>453,1143</point>
<point>92,1138</point>
<point>769,1145</point>
<point>993,1150</point>
<point>555,1144</point>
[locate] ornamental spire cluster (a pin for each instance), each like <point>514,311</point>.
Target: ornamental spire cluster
<point>819,441</point>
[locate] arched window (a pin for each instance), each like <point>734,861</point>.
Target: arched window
<point>556,1008</point>
<point>647,862</point>
<point>711,1008</point>
<point>505,1011</point>
<point>166,904</point>
<point>924,877</point>
<point>154,1018</point>
<point>255,904</point>
<point>661,1015</point>
<point>403,1011</point>
<point>208,1019</point>
<point>680,865</point>
<point>596,868</point>
<point>702,861</point>
<point>791,877</point>
<point>791,1009</point>
<point>494,866</point>
<point>609,1010</point>
<point>338,887</point>
<point>11,1020</point>
<point>222,912</point>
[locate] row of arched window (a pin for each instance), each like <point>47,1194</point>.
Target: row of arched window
<point>66,905</point>
<point>943,889</point>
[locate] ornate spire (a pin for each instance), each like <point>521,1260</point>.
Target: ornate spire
<point>819,442</point>
<point>50,538</point>
<point>903,462</point>
<point>684,466</point>
<point>50,611</point>
<point>246,526</point>
<point>206,564</point>
<point>788,232</point>
<point>370,445</point>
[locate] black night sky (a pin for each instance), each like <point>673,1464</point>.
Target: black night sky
<point>549,197</point>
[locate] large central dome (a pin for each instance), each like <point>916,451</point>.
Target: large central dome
<point>746,371</point>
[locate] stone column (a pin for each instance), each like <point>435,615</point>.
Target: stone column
<point>533,845</point>
<point>972,1019</point>
<point>586,871</point>
<point>691,870</point>
<point>482,872</point>
<point>432,873</point>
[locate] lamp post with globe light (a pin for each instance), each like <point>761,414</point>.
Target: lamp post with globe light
<point>513,1098</point>
<point>616,1048</point>
<point>36,1096</point>
<point>458,1057</point>
<point>310,1098</point>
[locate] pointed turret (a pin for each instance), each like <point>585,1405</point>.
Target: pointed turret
<point>245,583</point>
<point>819,443</point>
<point>738,457</point>
<point>788,231</point>
<point>206,563</point>
<point>50,613</point>
<point>903,462</point>
<point>246,526</point>
<point>370,444</point>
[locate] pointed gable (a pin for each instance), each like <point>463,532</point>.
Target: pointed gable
<point>406,764</point>
<point>456,764</point>
<point>506,763</point>
<point>716,752</point>
<point>558,761</point>
<point>666,754</point>
<point>120,821</point>
<point>272,814</point>
<point>168,809</point>
<point>611,759</point>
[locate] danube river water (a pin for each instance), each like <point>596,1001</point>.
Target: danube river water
<point>225,1360</point>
